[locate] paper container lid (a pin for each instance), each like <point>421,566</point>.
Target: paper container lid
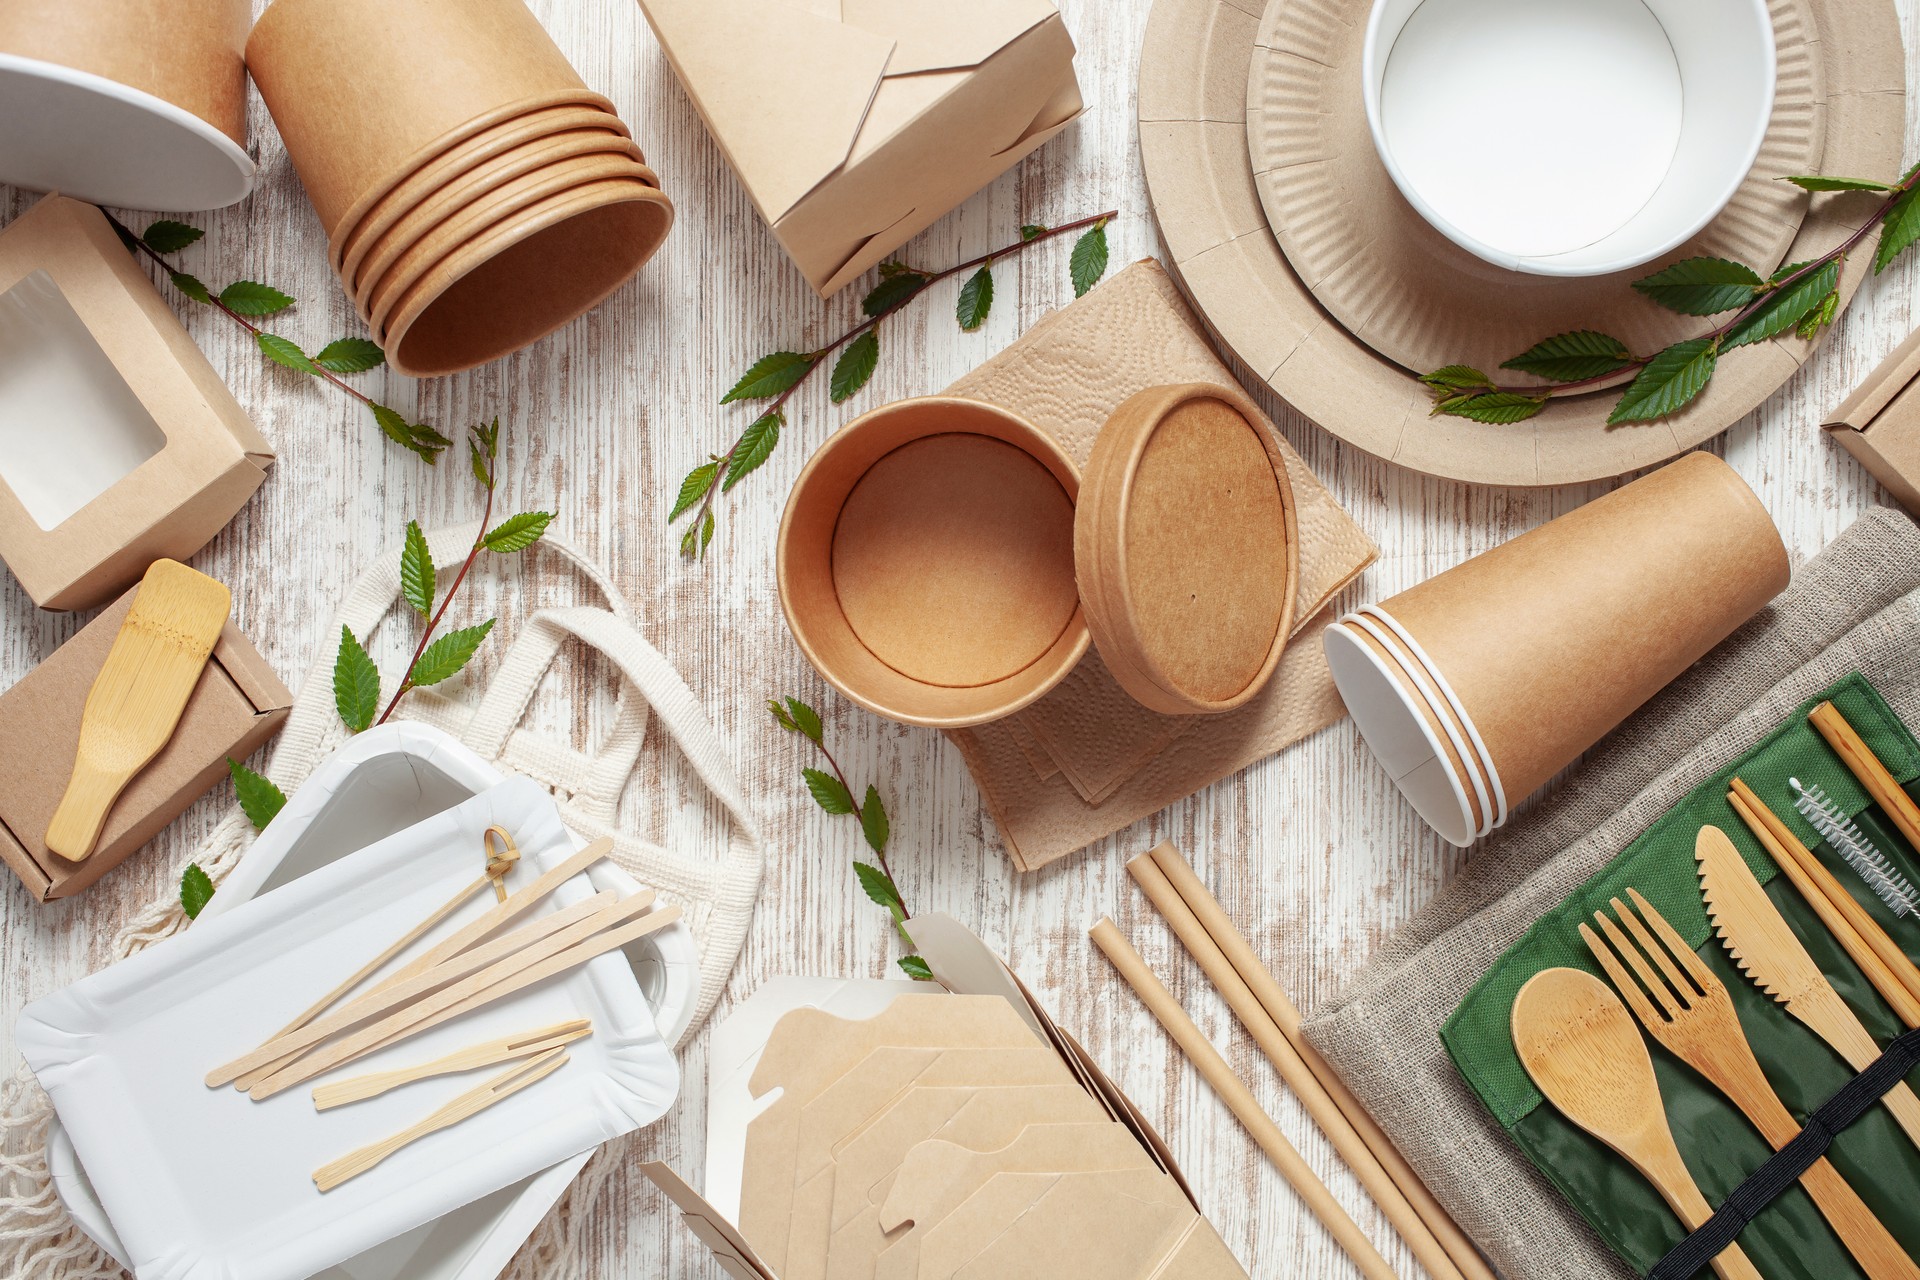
<point>1186,548</point>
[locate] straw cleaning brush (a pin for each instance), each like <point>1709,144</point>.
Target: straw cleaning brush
<point>1852,844</point>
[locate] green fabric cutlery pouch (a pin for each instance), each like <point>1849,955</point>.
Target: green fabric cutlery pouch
<point>1789,1240</point>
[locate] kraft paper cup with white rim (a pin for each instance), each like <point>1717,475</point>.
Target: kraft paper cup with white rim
<point>1605,132</point>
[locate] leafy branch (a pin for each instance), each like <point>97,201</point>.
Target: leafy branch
<point>1802,298</point>
<point>243,301</point>
<point>832,793</point>
<point>777,376</point>
<point>356,680</point>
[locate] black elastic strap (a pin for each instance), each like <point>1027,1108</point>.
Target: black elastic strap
<point>1783,1169</point>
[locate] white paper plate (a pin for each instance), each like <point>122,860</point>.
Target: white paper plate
<point>204,1183</point>
<point>380,782</point>
<point>99,140</point>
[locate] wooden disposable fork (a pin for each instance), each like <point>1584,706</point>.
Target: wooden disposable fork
<point>1683,1006</point>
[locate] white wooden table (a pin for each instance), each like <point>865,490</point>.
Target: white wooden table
<point>1318,856</point>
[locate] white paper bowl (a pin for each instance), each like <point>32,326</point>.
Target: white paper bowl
<point>382,781</point>
<point>1568,137</point>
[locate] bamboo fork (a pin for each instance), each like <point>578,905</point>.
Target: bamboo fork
<point>504,1085</point>
<point>1182,902</point>
<point>1873,775</point>
<point>525,1045</point>
<point>1686,1008</point>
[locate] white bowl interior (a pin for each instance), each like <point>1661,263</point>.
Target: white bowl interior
<point>1568,137</point>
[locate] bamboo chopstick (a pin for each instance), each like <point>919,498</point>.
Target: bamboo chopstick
<point>474,1101</point>
<point>505,1049</point>
<point>1240,1101</point>
<point>1885,965</point>
<point>1866,766</point>
<point>482,988</point>
<point>1202,927</point>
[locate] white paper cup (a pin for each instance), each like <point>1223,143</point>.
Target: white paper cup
<point>1568,137</point>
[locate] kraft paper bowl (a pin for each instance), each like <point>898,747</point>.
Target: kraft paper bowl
<point>364,226</point>
<point>520,281</point>
<point>926,562</point>
<point>1605,132</point>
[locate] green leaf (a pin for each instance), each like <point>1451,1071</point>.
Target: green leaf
<point>770,376</point>
<point>1032,231</point>
<point>260,800</point>
<point>350,355</point>
<point>806,721</point>
<point>1818,182</point>
<point>488,434</point>
<point>1457,377</point>
<point>1785,307</point>
<point>706,531</point>
<point>280,351</point>
<point>446,656</point>
<point>1820,317</point>
<point>1701,286</point>
<point>1499,408</point>
<point>916,968</point>
<point>1089,261</point>
<point>517,533</point>
<point>828,792</point>
<point>694,488</point>
<point>693,543</point>
<point>190,285</point>
<point>780,716</point>
<point>416,571</point>
<point>888,270</point>
<point>855,365</point>
<point>481,471</point>
<point>1570,357</point>
<point>1669,381</point>
<point>873,821</point>
<point>168,236</point>
<point>756,442</point>
<point>976,300</point>
<point>1898,229</point>
<point>893,290</point>
<point>356,684</point>
<point>196,889</point>
<point>879,886</point>
<point>251,298</point>
<point>416,437</point>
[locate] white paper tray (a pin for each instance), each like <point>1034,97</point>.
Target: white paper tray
<point>378,783</point>
<point>205,1184</point>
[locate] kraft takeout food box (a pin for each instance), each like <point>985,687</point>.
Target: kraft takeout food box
<point>238,704</point>
<point>857,124</point>
<point>1880,424</point>
<point>119,444</point>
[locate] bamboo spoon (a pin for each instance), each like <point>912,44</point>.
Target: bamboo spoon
<point>1200,944</point>
<point>504,1085</point>
<point>1582,1049</point>
<point>139,696</point>
<point>1240,1101</point>
<point>1880,784</point>
<point>527,1044</point>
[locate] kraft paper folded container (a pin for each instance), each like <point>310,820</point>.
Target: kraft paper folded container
<point>136,103</point>
<point>1880,424</point>
<point>238,704</point>
<point>1547,642</point>
<point>854,134</point>
<point>119,444</point>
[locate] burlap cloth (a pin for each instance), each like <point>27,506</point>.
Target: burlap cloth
<point>1087,760</point>
<point>1854,607</point>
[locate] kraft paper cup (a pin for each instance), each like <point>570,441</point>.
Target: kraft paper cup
<point>363,226</point>
<point>137,103</point>
<point>519,282</point>
<point>364,91</point>
<point>1689,82</point>
<point>1546,643</point>
<point>926,563</point>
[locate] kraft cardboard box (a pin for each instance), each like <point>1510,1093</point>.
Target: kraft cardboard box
<point>238,704</point>
<point>119,444</point>
<point>1880,424</point>
<point>857,124</point>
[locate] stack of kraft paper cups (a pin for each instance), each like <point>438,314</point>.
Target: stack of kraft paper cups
<point>476,194</point>
<point>1477,686</point>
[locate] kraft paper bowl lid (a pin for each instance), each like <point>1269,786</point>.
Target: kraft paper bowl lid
<point>926,562</point>
<point>1187,549</point>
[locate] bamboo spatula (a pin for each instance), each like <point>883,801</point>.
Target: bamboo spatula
<point>138,697</point>
<point>1764,946</point>
<point>1582,1049</point>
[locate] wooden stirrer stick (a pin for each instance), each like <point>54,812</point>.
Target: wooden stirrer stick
<point>524,1045</point>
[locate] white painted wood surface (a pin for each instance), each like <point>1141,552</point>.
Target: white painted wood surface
<point>1313,850</point>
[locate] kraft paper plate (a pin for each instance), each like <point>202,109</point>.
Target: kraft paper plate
<point>1408,291</point>
<point>1193,143</point>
